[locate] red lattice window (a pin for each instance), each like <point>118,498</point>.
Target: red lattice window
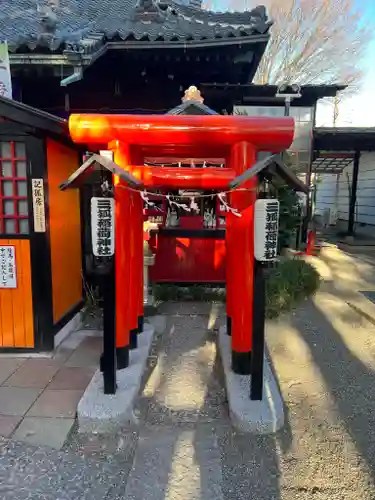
<point>14,208</point>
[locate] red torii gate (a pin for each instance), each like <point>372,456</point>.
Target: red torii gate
<point>237,139</point>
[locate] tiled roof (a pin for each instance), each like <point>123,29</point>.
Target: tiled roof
<point>86,25</point>
<point>23,114</point>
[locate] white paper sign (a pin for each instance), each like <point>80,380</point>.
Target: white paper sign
<point>103,226</point>
<point>38,205</point>
<point>266,229</point>
<point>107,154</point>
<point>8,272</point>
<point>5,78</point>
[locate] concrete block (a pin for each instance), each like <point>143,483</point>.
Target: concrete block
<point>103,413</point>
<point>159,323</point>
<point>257,417</point>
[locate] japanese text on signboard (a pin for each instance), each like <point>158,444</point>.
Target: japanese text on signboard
<point>102,226</point>
<point>266,228</point>
<point>38,205</point>
<point>8,276</point>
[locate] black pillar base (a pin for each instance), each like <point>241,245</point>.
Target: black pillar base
<point>229,325</point>
<point>141,322</point>
<point>133,339</point>
<point>241,363</point>
<point>122,357</point>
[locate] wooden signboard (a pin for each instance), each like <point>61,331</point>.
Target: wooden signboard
<point>38,205</point>
<point>266,229</point>
<point>8,272</point>
<point>103,226</point>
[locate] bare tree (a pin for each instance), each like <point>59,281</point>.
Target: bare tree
<point>312,42</point>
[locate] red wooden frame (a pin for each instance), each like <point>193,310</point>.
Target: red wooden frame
<point>237,139</point>
<point>15,198</point>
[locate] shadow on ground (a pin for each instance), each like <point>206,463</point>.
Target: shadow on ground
<point>349,380</point>
<point>198,454</point>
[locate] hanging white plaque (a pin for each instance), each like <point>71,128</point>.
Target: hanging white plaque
<point>5,75</point>
<point>107,154</point>
<point>8,273</point>
<point>38,205</point>
<point>266,229</point>
<point>103,226</point>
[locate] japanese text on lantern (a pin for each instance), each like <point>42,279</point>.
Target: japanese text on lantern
<point>8,274</point>
<point>38,205</point>
<point>266,228</point>
<point>102,226</point>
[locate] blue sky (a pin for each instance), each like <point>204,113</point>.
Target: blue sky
<point>358,110</point>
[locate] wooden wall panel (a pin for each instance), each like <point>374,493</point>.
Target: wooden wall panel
<point>188,260</point>
<point>65,230</point>
<point>16,305</point>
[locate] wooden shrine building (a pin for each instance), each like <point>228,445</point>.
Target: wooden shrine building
<point>40,288</point>
<point>135,56</point>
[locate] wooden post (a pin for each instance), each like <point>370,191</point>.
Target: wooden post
<point>229,283</point>
<point>133,282</point>
<point>353,193</point>
<point>240,261</point>
<point>108,360</point>
<point>138,159</point>
<point>122,268</point>
<point>257,359</point>
<point>139,236</point>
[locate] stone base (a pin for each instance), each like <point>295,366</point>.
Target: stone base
<point>257,417</point>
<point>73,325</point>
<point>102,413</point>
<point>150,310</point>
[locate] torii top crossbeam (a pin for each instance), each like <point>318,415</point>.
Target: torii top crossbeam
<point>193,131</point>
<point>178,135</point>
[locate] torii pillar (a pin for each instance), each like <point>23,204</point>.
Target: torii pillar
<point>129,246</point>
<point>240,260</point>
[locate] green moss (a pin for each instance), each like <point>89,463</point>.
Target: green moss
<point>288,284</point>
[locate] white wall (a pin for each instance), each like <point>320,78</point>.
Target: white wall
<point>365,209</point>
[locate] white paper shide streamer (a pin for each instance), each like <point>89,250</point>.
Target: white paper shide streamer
<point>234,211</point>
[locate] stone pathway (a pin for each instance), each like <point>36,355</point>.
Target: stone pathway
<point>178,455</point>
<point>184,446</point>
<point>39,395</point>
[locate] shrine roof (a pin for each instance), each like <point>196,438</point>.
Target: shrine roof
<point>344,138</point>
<point>192,108</point>
<point>86,26</point>
<point>26,119</point>
<point>22,113</point>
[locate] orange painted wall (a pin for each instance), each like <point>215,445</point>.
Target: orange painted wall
<point>65,230</point>
<point>16,305</point>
